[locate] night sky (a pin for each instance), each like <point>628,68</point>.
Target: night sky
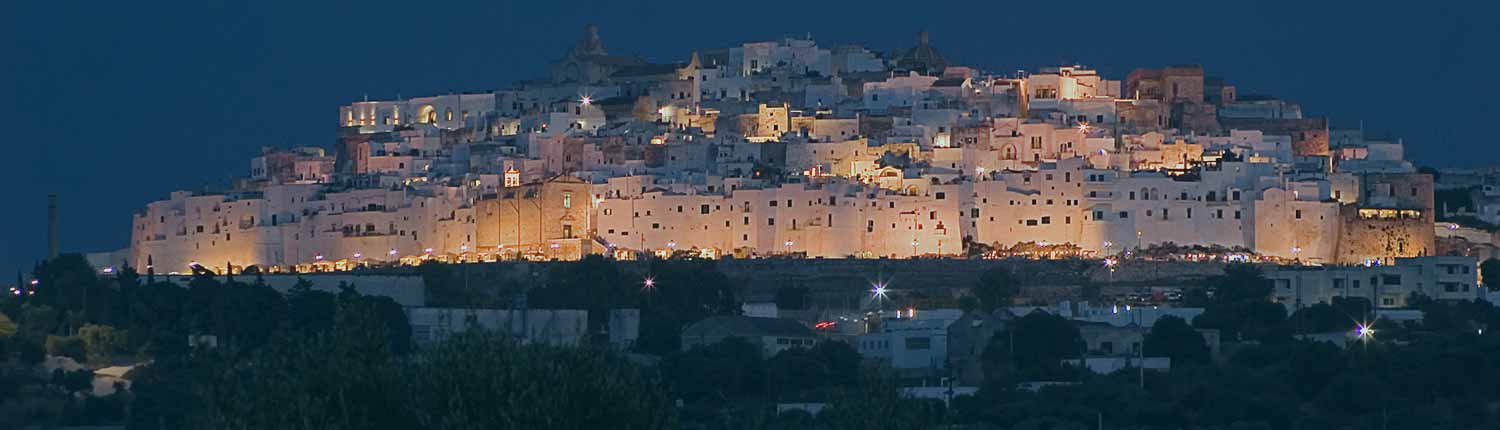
<point>115,104</point>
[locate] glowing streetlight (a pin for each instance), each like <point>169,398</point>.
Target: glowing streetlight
<point>1083,127</point>
<point>586,100</point>
<point>428,250</point>
<point>648,284</point>
<point>392,253</point>
<point>878,291</point>
<point>1365,331</point>
<point>358,256</point>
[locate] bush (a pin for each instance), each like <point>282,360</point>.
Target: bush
<point>69,346</point>
<point>102,342</point>
<point>29,349</point>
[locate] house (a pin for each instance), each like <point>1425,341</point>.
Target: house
<point>773,335</point>
<point>917,341</point>
<point>967,338</point>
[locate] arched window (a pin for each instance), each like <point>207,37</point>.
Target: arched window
<point>448,114</point>
<point>427,115</point>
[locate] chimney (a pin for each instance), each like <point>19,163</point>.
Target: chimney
<point>52,240</point>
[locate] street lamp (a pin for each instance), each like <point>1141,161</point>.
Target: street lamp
<point>1365,331</point>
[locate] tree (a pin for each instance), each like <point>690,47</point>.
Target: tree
<point>996,288</point>
<point>309,309</point>
<point>389,319</point>
<point>345,378</point>
<point>67,346</point>
<point>1241,306</point>
<point>593,284</point>
<point>1042,341</point>
<point>483,381</point>
<point>796,374</point>
<point>1340,315</point>
<point>1490,271</point>
<point>731,368</point>
<point>1172,337</point>
<point>878,404</point>
<point>842,360</point>
<point>683,291</point>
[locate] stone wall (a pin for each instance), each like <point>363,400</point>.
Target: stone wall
<point>1382,239</point>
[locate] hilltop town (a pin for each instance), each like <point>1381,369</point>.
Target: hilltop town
<point>789,235</point>
<point>791,149</point>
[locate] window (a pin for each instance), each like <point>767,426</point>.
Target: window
<point>1298,213</point>
<point>941,195</point>
<point>913,343</point>
<point>1046,220</point>
<point>1124,214</point>
<point>703,209</point>
<point>567,199</point>
<point>770,221</point>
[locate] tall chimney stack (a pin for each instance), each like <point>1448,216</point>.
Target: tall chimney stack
<point>52,241</point>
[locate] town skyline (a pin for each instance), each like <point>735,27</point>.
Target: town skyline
<point>216,151</point>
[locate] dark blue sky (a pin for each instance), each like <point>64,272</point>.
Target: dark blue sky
<point>114,104</point>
